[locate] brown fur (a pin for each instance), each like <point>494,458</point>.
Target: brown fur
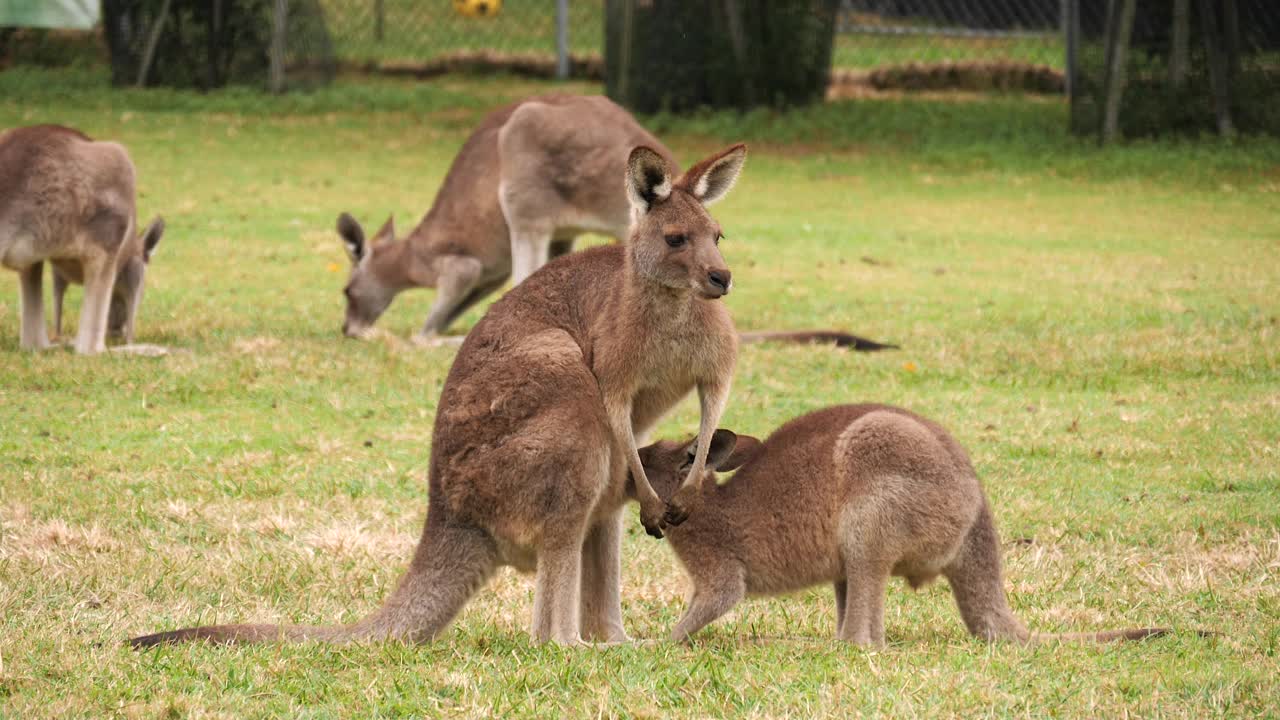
<point>69,200</point>
<point>849,495</point>
<point>537,424</point>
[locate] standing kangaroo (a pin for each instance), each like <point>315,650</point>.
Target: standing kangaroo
<point>70,200</point>
<point>848,495</point>
<point>527,182</point>
<point>535,432</point>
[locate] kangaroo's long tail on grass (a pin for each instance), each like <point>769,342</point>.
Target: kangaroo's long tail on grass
<point>978,585</point>
<point>816,337</point>
<point>450,564</point>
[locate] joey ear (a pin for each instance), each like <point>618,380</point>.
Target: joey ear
<point>744,450</point>
<point>722,444</point>
<point>151,238</point>
<point>387,232</point>
<point>648,178</point>
<point>713,178</point>
<point>352,237</point>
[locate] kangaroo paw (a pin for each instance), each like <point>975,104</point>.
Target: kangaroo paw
<point>683,504</point>
<point>652,521</point>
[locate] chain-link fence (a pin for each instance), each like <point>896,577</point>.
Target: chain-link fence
<point>1189,66</point>
<point>431,35</point>
<point>888,32</point>
<point>979,43</point>
<point>951,44</point>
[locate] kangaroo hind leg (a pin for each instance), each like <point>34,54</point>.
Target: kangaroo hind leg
<point>34,335</point>
<point>978,584</point>
<point>712,597</point>
<point>457,281</point>
<point>601,582</point>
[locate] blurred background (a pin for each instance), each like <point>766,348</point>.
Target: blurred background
<point>1129,67</point>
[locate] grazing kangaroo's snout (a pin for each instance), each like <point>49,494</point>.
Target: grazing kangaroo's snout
<point>367,293</point>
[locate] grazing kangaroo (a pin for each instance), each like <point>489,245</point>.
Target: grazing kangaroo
<point>69,200</point>
<point>848,495</point>
<point>527,182</point>
<point>535,432</point>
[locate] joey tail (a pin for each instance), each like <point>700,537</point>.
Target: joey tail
<point>978,585</point>
<point>816,337</point>
<point>450,564</point>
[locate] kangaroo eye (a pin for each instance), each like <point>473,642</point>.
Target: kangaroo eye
<point>719,237</point>
<point>676,240</point>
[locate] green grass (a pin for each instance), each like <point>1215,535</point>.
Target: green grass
<point>1099,328</point>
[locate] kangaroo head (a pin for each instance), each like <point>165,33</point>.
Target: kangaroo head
<point>367,296</point>
<point>674,240</point>
<point>666,462</point>
<point>126,295</point>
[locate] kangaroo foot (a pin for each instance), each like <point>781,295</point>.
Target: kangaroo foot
<point>434,341</point>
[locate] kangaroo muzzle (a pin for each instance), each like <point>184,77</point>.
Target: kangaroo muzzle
<point>717,284</point>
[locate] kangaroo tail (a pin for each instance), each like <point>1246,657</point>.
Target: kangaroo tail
<point>816,337</point>
<point>451,563</point>
<point>228,634</point>
<point>976,580</point>
<point>1104,636</point>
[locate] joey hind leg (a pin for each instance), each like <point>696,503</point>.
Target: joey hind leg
<point>458,279</point>
<point>557,587</point>
<point>33,335</point>
<point>602,582</point>
<point>710,600</point>
<point>862,622</point>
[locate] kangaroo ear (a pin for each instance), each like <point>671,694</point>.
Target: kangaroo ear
<point>648,178</point>
<point>713,178</point>
<point>744,450</point>
<point>151,238</point>
<point>722,444</point>
<point>352,237</point>
<point>387,232</point>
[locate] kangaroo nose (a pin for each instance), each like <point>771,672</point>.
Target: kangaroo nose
<point>720,279</point>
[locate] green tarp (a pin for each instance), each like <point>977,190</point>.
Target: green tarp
<point>76,14</point>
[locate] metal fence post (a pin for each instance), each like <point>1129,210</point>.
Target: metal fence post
<point>562,39</point>
<point>1071,38</point>
<point>379,20</point>
<point>279,18</point>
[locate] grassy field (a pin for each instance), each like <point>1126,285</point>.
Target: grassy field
<point>1099,328</point>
